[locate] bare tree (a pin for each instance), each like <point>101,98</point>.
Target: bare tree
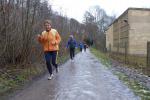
<point>97,21</point>
<point>21,20</point>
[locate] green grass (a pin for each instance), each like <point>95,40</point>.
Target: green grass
<point>137,88</point>
<point>13,80</point>
<point>131,60</point>
<point>103,57</point>
<point>136,62</point>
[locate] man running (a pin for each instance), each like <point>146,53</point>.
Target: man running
<point>50,40</point>
<point>85,46</point>
<point>81,46</point>
<point>71,44</point>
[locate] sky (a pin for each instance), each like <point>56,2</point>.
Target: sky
<point>76,8</point>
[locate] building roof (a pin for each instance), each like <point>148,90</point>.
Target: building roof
<point>142,9</point>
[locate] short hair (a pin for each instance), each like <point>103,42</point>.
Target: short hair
<point>48,21</point>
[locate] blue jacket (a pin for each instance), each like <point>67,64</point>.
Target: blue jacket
<point>71,42</point>
<point>80,45</point>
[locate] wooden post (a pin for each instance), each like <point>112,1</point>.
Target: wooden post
<point>125,52</point>
<point>148,54</point>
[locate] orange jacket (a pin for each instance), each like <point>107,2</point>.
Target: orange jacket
<point>50,40</point>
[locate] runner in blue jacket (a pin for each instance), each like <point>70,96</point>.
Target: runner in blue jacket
<point>72,44</point>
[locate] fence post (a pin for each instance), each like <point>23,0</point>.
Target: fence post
<point>125,52</point>
<point>148,54</point>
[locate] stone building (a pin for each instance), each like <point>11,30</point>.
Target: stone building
<point>130,32</point>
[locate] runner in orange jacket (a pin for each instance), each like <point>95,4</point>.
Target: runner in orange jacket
<point>50,40</point>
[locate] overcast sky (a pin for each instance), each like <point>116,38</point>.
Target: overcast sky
<point>76,8</point>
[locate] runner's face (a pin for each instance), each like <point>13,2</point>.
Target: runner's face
<point>71,38</point>
<point>47,26</point>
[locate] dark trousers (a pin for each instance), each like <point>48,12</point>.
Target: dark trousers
<point>84,48</point>
<point>51,57</point>
<point>72,53</point>
<point>81,49</point>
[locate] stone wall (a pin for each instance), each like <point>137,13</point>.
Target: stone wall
<point>139,32</point>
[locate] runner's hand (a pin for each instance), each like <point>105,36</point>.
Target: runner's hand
<point>53,43</point>
<point>38,35</point>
